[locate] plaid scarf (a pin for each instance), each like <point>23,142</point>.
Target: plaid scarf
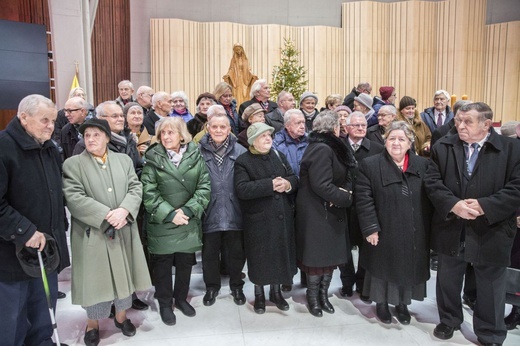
<point>219,150</point>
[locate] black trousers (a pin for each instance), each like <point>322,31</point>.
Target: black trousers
<point>349,276</point>
<point>488,316</point>
<point>233,245</point>
<point>162,272</point>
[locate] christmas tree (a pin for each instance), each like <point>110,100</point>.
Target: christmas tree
<point>289,75</point>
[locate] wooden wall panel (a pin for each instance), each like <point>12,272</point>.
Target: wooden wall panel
<point>416,46</point>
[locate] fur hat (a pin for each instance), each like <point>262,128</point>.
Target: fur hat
<point>205,95</point>
<point>364,99</point>
<point>308,94</point>
<point>129,105</point>
<point>252,110</point>
<point>101,124</point>
<point>407,101</point>
<point>255,130</point>
<point>28,258</point>
<point>386,92</point>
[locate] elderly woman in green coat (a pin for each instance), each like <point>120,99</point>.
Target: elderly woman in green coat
<point>176,187</point>
<point>103,195</point>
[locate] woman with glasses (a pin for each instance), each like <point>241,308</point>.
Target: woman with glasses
<point>224,95</point>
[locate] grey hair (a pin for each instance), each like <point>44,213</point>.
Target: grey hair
<point>282,95</point>
<point>363,85</point>
<point>182,95</point>
<point>257,86</point>
<point>80,102</point>
<point>459,104</point>
<point>30,104</point>
<point>213,111</point>
<point>73,92</point>
<point>176,124</point>
<point>401,125</point>
<point>100,109</point>
<point>159,96</point>
<point>287,117</point>
<point>443,93</point>
<point>197,108</point>
<point>325,121</point>
<point>484,111</point>
<point>389,108</point>
<point>356,114</point>
<point>125,82</point>
<point>144,89</point>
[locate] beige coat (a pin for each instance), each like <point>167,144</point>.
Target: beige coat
<point>103,269</point>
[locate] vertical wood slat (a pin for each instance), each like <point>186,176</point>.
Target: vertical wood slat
<point>416,46</point>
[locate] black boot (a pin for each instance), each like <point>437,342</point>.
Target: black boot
<point>275,296</point>
<point>259,306</point>
<point>313,286</point>
<point>513,319</point>
<point>383,313</point>
<point>324,293</point>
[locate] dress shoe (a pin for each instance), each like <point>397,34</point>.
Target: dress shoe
<point>275,296</point>
<point>61,295</point>
<point>513,319</point>
<point>210,297</point>
<point>238,296</point>
<point>470,302</point>
<point>91,337</point>
<point>286,288</point>
<point>346,291</point>
<point>259,305</point>
<point>185,308</point>
<point>402,314</point>
<point>444,332</point>
<point>365,299</point>
<point>383,313</point>
<point>139,304</point>
<point>167,316</point>
<point>127,327</point>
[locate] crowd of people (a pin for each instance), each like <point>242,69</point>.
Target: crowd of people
<point>148,184</point>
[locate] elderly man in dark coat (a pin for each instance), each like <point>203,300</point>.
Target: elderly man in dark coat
<point>475,201</point>
<point>31,206</point>
<point>361,147</point>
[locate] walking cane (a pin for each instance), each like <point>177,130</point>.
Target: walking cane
<point>48,295</point>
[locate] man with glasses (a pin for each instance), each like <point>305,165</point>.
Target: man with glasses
<point>144,98</point>
<point>385,117</point>
<point>76,111</point>
<point>362,147</point>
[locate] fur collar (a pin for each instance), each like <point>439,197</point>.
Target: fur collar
<point>344,155</point>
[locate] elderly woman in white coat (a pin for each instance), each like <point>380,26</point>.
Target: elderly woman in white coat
<point>103,195</point>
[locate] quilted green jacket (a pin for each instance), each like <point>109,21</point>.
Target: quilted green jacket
<point>167,188</point>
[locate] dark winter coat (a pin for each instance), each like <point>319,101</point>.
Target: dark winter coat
<point>428,117</point>
<point>196,124</point>
<point>275,119</point>
<point>69,139</point>
<point>445,130</point>
<point>366,149</point>
<point>374,134</point>
<point>292,149</point>
<point>149,121</point>
<point>395,205</point>
<point>349,99</point>
<point>268,217</point>
<point>31,198</point>
<point>495,183</point>
<point>321,207</point>
<point>223,212</point>
<point>235,121</point>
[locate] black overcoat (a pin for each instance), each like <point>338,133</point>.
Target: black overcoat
<point>268,217</point>
<point>495,183</point>
<point>394,204</point>
<point>321,228</point>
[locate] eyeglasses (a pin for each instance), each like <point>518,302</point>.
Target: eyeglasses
<point>358,125</point>
<point>381,115</point>
<point>114,116</point>
<point>71,110</point>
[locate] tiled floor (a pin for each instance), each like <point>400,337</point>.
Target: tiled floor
<point>224,323</point>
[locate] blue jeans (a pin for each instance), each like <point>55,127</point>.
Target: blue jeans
<point>25,314</point>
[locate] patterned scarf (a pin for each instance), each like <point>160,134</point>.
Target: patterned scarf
<point>219,150</point>
<point>174,157</point>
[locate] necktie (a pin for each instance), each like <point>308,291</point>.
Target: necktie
<point>470,160</point>
<point>355,146</point>
<point>439,120</point>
